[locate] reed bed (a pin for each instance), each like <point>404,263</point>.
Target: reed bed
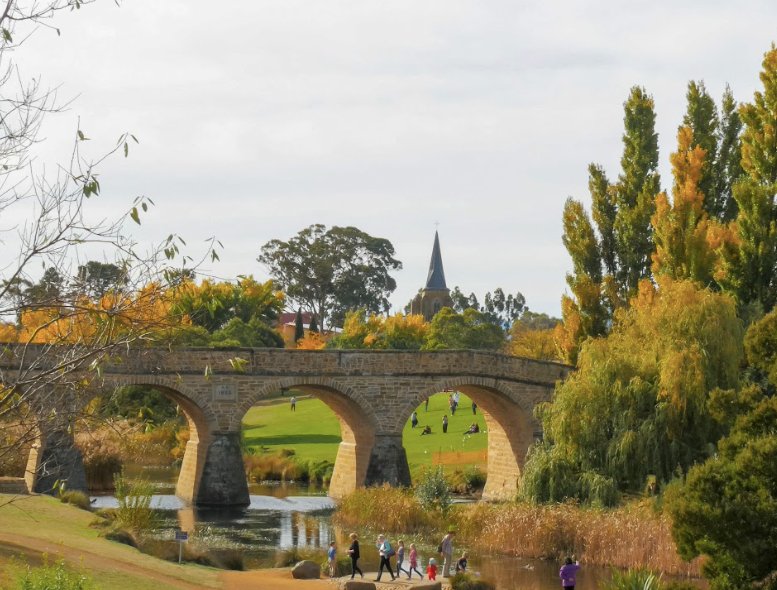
<point>627,537</point>
<point>393,510</point>
<point>632,536</point>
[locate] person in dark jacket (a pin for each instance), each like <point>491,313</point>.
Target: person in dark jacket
<point>353,552</point>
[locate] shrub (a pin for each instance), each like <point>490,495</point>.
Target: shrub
<point>469,481</point>
<point>463,581</point>
<point>633,579</point>
<point>53,577</point>
<point>677,585</point>
<point>433,491</point>
<point>76,498</point>
<point>134,511</point>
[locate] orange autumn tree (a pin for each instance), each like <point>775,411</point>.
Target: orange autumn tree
<point>687,240</point>
<point>372,331</point>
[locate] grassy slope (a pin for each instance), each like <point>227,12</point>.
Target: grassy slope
<point>313,431</point>
<point>46,522</point>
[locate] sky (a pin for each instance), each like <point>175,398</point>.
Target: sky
<point>474,118</point>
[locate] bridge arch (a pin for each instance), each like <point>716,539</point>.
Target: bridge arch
<point>510,423</point>
<point>200,418</point>
<point>358,425</point>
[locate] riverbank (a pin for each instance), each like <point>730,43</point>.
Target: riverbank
<point>34,526</point>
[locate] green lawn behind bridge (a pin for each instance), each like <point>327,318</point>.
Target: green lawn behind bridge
<point>313,432</point>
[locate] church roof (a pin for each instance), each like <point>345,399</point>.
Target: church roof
<point>435,280</point>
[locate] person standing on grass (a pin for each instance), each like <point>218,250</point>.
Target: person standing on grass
<point>414,419</point>
<point>331,559</point>
<point>474,408</point>
<point>353,552</point>
<point>568,572</point>
<point>446,550</point>
<point>426,405</point>
<point>385,551</point>
<point>413,563</point>
<point>293,402</point>
<point>444,423</point>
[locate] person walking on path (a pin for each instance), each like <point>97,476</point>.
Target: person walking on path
<point>414,419</point>
<point>400,556</point>
<point>385,551</point>
<point>446,550</point>
<point>293,402</point>
<point>431,569</point>
<point>353,552</point>
<point>331,559</point>
<point>413,563</point>
<point>444,423</point>
<point>568,572</point>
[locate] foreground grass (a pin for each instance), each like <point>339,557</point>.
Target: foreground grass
<point>313,432</point>
<point>44,525</point>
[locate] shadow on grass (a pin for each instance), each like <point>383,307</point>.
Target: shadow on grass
<point>293,439</point>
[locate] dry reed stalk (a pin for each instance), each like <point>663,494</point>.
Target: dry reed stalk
<point>632,536</point>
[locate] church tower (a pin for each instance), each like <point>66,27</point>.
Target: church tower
<point>435,295</point>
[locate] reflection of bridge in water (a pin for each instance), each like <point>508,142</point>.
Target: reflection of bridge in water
<point>372,393</point>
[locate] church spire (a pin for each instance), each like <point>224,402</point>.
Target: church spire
<point>435,280</point>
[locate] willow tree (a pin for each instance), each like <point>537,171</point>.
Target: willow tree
<point>639,406</point>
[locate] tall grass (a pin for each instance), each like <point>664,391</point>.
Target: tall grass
<point>634,536</point>
<point>630,536</point>
<point>134,512</point>
<point>390,509</point>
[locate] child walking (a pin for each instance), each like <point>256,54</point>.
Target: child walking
<point>331,555</point>
<point>400,556</point>
<point>413,563</point>
<point>431,569</point>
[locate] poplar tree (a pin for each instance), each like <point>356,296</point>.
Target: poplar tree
<point>635,193</point>
<point>701,118</point>
<point>609,261</point>
<point>728,165</point>
<point>681,227</point>
<point>751,271</point>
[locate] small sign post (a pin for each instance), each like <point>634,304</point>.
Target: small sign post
<point>181,537</point>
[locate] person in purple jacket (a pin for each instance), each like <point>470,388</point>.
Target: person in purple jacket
<point>567,573</point>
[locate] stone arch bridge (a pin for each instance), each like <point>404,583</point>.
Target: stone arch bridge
<point>372,393</point>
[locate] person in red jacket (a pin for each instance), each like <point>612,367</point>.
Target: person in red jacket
<point>431,570</point>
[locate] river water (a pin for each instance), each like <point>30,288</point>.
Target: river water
<point>286,518</point>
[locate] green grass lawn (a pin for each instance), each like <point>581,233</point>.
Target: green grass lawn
<point>44,525</point>
<point>313,432</point>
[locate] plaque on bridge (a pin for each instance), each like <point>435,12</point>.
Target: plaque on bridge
<point>224,392</point>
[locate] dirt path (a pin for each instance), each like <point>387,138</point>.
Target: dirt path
<point>271,579</point>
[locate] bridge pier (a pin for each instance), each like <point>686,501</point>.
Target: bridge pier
<point>388,462</point>
<point>223,480</point>
<point>55,459</point>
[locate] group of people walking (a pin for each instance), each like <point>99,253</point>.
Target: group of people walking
<point>386,551</point>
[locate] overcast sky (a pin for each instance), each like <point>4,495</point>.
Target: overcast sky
<point>257,119</point>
